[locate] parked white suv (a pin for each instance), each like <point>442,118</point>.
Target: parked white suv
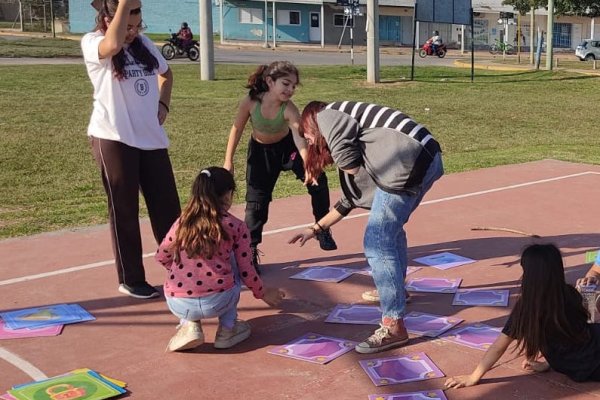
<point>588,50</point>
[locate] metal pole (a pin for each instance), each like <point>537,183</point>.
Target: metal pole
<point>519,38</point>
<point>415,23</point>
<point>549,35</point>
<point>352,38</point>
<point>531,36</point>
<point>373,41</point>
<point>472,47</point>
<point>21,15</point>
<point>274,26</point>
<point>207,59</point>
<point>462,39</point>
<point>52,19</point>
<point>266,45</point>
<point>222,39</point>
<point>322,25</point>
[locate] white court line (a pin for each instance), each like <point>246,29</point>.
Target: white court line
<point>21,364</point>
<point>292,228</point>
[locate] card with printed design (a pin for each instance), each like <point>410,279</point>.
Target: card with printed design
<point>590,256</point>
<point>429,324</point>
<point>324,274</point>
<point>434,394</point>
<point>444,260</point>
<point>355,314</point>
<point>476,297</point>
<point>368,271</point>
<point>400,369</point>
<point>314,348</point>
<point>433,285</point>
<point>476,336</point>
<point>38,317</point>
<point>6,333</point>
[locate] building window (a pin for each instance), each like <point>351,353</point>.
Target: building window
<point>340,20</point>
<point>251,16</point>
<point>562,35</point>
<point>288,17</point>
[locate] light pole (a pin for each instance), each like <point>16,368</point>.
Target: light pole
<point>549,35</point>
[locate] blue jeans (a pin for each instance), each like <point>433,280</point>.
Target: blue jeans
<point>385,240</point>
<point>222,305</point>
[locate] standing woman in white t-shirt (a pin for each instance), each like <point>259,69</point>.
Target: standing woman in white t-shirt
<point>132,91</point>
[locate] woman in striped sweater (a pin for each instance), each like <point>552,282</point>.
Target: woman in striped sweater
<point>387,162</point>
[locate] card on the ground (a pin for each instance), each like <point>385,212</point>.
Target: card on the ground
<point>314,348</point>
<point>429,324</point>
<point>79,385</point>
<point>324,274</point>
<point>444,260</point>
<point>368,271</point>
<point>477,336</point>
<point>590,256</point>
<point>400,369</point>
<point>434,394</point>
<point>433,285</point>
<point>6,333</point>
<point>477,297</point>
<point>38,317</point>
<point>355,314</point>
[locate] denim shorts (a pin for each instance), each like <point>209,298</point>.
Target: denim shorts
<point>215,305</point>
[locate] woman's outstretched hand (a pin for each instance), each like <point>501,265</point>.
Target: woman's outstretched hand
<point>273,296</point>
<point>302,237</point>
<point>460,381</point>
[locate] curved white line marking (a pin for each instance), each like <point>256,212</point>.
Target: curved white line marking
<point>292,228</point>
<point>21,364</point>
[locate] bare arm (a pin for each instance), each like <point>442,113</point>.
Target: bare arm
<point>592,277</point>
<point>330,219</point>
<point>117,29</point>
<point>236,132</point>
<point>292,115</point>
<point>492,355</point>
<point>165,86</point>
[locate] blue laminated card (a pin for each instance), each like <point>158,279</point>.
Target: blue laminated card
<point>38,317</point>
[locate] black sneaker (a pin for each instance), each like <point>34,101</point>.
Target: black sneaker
<point>142,291</point>
<point>326,240</point>
<point>256,253</point>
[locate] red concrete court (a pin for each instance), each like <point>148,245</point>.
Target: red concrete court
<point>556,200</point>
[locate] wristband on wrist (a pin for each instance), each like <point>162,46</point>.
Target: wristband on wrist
<point>164,105</point>
<point>320,227</point>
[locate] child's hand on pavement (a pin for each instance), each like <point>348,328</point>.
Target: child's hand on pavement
<point>273,296</point>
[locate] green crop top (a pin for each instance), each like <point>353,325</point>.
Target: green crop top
<point>268,126</point>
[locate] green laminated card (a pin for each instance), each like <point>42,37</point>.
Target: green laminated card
<point>80,386</point>
<point>590,256</point>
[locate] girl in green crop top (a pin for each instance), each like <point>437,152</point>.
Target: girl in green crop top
<point>275,146</point>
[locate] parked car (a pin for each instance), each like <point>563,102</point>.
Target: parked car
<point>588,50</point>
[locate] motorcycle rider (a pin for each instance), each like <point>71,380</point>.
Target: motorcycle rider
<point>185,36</point>
<point>436,41</point>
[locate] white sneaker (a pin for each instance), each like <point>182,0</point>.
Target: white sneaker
<point>188,336</point>
<point>227,338</point>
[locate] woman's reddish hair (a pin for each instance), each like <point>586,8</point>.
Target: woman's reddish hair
<point>319,155</point>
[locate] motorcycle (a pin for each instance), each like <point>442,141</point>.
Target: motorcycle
<point>174,47</point>
<point>427,50</point>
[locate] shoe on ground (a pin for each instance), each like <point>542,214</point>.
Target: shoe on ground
<point>142,291</point>
<point>326,240</point>
<point>388,336</point>
<point>188,336</point>
<point>373,296</point>
<point>256,254</point>
<point>227,338</point>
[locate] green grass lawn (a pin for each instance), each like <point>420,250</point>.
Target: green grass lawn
<point>49,180</point>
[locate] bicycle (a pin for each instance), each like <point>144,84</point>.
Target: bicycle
<point>500,48</point>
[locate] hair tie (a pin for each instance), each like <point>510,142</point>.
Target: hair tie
<point>205,172</point>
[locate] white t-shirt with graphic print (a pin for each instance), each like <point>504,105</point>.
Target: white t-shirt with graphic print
<point>125,110</point>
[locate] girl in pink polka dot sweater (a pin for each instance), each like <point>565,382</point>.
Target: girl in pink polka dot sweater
<point>207,256</point>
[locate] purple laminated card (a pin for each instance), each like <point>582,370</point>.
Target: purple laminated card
<point>400,369</point>
<point>444,260</point>
<point>434,394</point>
<point>492,298</point>
<point>324,274</point>
<point>433,285</point>
<point>428,324</point>
<point>477,336</point>
<point>355,314</point>
<point>314,348</point>
<point>369,272</point>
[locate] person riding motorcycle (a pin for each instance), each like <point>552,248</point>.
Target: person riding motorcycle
<point>436,41</point>
<point>185,36</point>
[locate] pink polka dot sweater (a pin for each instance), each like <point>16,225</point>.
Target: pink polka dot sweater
<point>199,277</point>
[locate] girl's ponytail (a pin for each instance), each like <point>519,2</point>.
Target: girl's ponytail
<point>257,83</point>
